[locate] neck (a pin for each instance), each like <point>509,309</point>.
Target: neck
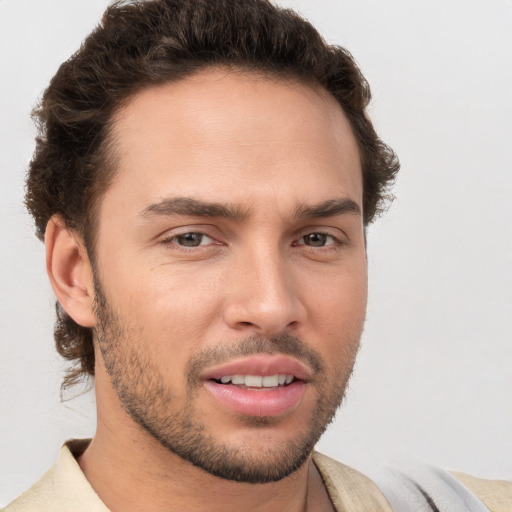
<point>130,476</point>
<point>131,471</point>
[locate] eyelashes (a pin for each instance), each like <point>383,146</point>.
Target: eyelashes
<point>318,239</point>
<point>199,241</point>
<point>191,239</point>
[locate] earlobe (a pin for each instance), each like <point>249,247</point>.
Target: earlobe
<point>70,272</point>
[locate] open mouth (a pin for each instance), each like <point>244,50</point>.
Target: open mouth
<point>259,385</point>
<point>257,395</point>
<point>257,381</point>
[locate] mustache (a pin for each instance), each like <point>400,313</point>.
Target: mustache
<point>284,344</point>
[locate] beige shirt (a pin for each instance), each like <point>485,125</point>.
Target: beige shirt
<point>64,488</point>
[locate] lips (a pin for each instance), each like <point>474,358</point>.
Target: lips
<point>260,365</point>
<point>261,385</point>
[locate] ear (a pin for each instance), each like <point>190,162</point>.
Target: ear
<point>70,272</point>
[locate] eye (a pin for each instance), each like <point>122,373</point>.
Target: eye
<point>191,239</point>
<point>317,240</point>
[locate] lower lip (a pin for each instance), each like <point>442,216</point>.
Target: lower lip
<point>260,401</point>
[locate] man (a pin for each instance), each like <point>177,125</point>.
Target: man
<point>203,181</point>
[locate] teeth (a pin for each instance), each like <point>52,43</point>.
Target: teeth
<point>271,381</point>
<point>257,381</point>
<point>253,381</point>
<point>237,379</point>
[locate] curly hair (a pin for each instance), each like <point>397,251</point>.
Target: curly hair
<point>144,43</point>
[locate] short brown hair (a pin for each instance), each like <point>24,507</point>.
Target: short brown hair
<point>144,43</point>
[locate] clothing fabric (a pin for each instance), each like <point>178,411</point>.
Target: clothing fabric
<point>64,488</point>
<point>414,488</point>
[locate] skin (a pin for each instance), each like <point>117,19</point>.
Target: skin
<point>263,148</point>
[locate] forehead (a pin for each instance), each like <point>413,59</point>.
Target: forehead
<point>234,135</point>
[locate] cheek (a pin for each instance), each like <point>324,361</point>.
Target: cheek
<point>164,292</point>
<point>340,297</point>
<point>171,309</point>
<point>337,310</point>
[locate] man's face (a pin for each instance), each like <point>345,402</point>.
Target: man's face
<point>230,261</point>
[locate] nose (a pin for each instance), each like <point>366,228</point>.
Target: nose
<point>263,295</point>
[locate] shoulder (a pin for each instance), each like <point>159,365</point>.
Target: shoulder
<point>62,487</point>
<point>414,487</point>
<point>495,494</point>
<point>34,498</point>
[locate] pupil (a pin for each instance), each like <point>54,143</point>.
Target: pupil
<point>190,239</point>
<point>316,239</point>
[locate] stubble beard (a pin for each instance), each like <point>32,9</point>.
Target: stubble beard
<point>142,392</point>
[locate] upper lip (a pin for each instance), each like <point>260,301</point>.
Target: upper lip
<point>261,364</point>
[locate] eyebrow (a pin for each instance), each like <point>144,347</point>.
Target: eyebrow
<point>196,208</point>
<point>329,208</point>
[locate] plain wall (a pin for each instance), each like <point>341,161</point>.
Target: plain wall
<point>434,376</point>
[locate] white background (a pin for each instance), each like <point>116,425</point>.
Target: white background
<point>434,377</point>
